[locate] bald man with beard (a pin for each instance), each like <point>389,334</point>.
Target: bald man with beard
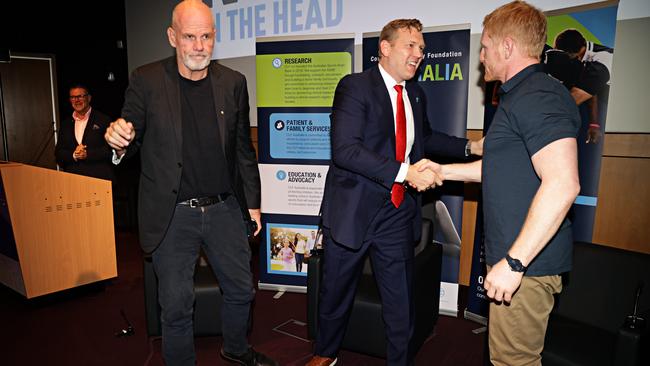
<point>199,182</point>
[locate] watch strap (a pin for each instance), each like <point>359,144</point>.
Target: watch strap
<point>515,264</point>
<point>468,148</point>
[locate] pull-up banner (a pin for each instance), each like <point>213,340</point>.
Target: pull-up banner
<point>296,79</point>
<point>443,77</point>
<point>589,73</point>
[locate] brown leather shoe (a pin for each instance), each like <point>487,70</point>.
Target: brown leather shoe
<point>321,361</point>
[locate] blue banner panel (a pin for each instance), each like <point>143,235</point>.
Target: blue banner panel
<point>293,146</point>
<point>478,305</point>
<point>299,136</point>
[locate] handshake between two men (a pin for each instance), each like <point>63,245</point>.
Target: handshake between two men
<point>424,174</point>
<point>427,174</point>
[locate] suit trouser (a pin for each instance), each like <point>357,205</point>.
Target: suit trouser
<point>516,330</point>
<point>219,230</point>
<point>389,242</point>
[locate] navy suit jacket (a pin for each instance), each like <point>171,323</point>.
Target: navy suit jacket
<point>98,161</point>
<point>363,166</point>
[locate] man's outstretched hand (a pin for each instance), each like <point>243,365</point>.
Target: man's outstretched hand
<point>423,175</point>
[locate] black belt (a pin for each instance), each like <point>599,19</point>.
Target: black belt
<point>205,201</point>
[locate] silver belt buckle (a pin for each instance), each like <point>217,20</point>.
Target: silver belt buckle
<point>194,203</point>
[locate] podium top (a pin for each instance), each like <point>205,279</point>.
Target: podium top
<point>7,164</point>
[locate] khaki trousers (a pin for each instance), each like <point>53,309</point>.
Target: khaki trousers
<point>517,330</point>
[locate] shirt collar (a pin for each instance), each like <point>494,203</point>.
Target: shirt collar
<point>79,117</point>
<point>520,77</point>
<point>388,80</point>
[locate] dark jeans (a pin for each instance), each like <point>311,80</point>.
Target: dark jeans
<point>218,230</point>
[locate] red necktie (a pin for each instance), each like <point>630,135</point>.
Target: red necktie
<point>397,193</point>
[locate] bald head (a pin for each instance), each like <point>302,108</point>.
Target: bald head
<point>188,8</point>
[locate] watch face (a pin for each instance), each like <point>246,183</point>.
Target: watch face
<point>515,264</point>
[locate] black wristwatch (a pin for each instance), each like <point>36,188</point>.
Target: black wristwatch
<point>515,264</point>
<point>468,149</point>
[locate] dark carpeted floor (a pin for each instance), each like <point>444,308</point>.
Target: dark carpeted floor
<point>79,327</point>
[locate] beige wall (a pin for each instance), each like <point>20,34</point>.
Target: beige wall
<point>629,107</point>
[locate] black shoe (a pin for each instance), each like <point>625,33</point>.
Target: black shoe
<point>250,358</point>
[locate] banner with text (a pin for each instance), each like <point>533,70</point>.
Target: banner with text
<point>296,79</point>
<point>587,75</point>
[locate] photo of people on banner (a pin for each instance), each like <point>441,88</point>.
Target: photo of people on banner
<point>583,67</point>
<point>289,248</point>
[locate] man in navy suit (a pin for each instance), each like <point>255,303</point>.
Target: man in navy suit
<point>366,207</point>
<point>80,147</point>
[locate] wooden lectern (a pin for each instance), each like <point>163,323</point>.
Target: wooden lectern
<point>56,230</point>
